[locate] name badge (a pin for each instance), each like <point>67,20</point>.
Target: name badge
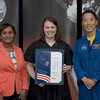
<point>96,46</point>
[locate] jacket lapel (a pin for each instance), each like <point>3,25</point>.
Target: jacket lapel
<point>3,51</point>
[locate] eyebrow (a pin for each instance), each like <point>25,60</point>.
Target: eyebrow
<point>88,18</point>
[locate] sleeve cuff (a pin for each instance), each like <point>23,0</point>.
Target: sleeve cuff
<point>96,76</point>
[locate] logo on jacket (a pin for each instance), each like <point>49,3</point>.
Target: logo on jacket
<point>96,46</point>
<point>84,47</point>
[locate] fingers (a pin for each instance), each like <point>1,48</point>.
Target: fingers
<point>22,94</point>
<point>1,97</point>
<point>89,88</point>
<point>41,85</point>
<point>89,83</point>
<point>66,68</point>
<point>21,97</point>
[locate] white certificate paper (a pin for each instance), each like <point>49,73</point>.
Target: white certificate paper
<point>56,67</point>
<point>48,66</point>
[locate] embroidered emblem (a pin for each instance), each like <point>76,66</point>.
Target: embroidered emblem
<point>83,47</point>
<point>96,46</point>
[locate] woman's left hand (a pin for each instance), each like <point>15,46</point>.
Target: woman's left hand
<point>23,94</point>
<point>66,68</point>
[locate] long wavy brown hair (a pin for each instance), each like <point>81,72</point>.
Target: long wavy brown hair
<point>57,35</point>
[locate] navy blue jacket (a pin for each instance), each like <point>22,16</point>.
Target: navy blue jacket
<point>86,60</point>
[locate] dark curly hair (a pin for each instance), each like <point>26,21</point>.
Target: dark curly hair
<point>5,25</point>
<point>57,35</point>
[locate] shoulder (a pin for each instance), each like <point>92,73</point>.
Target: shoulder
<point>1,44</point>
<point>34,44</point>
<point>80,41</point>
<point>98,33</point>
<point>17,48</point>
<point>63,43</point>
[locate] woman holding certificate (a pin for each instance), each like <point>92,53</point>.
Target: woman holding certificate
<point>50,38</point>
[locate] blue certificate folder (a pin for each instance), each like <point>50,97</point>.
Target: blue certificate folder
<point>43,66</point>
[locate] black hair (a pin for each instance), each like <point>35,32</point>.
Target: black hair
<point>5,25</point>
<point>89,11</point>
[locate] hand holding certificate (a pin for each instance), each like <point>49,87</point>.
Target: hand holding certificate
<point>48,68</point>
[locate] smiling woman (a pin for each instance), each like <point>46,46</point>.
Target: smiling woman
<point>7,37</point>
<point>50,38</point>
<point>49,30</point>
<point>13,72</point>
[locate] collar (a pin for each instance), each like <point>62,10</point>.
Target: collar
<point>2,47</point>
<point>96,37</point>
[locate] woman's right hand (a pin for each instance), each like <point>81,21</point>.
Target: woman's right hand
<point>41,85</point>
<point>1,97</point>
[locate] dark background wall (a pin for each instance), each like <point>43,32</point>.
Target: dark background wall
<point>95,6</point>
<point>12,15</point>
<point>34,11</point>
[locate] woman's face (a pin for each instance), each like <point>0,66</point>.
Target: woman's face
<point>89,23</point>
<point>49,30</point>
<point>7,35</point>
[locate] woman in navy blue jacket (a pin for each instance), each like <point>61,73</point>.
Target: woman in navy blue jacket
<point>86,59</point>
